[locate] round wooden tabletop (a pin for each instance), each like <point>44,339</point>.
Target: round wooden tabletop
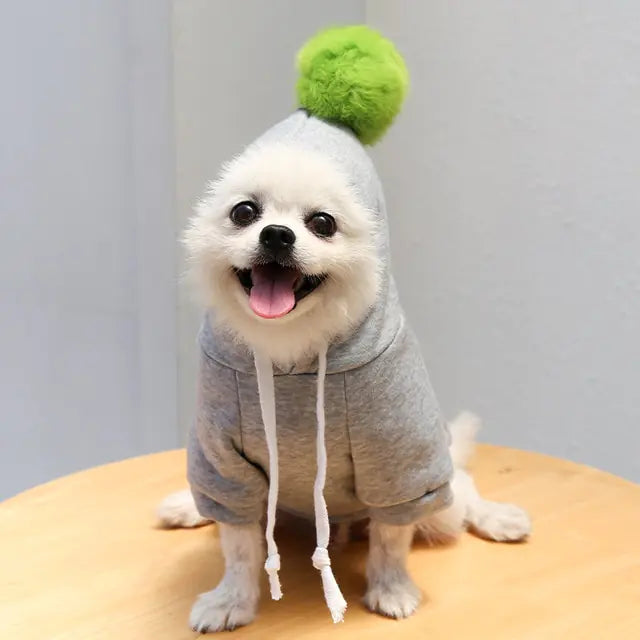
<point>81,558</point>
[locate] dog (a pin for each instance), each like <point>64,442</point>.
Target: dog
<point>313,396</point>
<point>331,288</point>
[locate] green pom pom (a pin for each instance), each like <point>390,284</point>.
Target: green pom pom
<point>352,76</point>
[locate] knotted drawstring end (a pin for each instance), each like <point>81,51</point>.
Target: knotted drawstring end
<point>272,566</point>
<point>333,596</point>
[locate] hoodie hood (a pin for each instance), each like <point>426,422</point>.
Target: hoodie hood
<point>377,330</point>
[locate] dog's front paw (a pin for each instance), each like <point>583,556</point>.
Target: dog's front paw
<point>397,599</point>
<point>502,522</point>
<point>221,610</point>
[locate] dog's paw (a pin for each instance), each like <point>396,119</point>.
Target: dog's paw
<point>179,510</point>
<point>221,610</point>
<point>501,522</point>
<point>398,599</point>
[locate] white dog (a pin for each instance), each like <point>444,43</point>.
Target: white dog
<point>333,275</point>
<point>313,396</point>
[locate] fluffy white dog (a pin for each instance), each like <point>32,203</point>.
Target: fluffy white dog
<point>313,394</point>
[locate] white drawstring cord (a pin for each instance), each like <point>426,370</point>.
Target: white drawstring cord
<point>264,371</point>
<point>333,596</point>
<point>321,561</point>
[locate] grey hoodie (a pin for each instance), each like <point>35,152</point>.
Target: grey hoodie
<point>386,441</point>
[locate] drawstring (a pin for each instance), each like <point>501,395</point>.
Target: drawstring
<point>321,561</point>
<point>264,371</point>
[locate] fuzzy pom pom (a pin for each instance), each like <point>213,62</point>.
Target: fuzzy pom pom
<point>352,76</point>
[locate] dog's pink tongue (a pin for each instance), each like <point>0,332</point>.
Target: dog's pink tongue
<point>272,293</point>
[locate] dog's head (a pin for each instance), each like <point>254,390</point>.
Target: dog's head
<point>284,251</point>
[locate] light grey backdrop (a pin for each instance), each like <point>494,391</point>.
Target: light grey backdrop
<point>512,180</point>
<point>87,266</point>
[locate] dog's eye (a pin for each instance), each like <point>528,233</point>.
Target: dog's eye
<point>244,213</point>
<point>322,224</point>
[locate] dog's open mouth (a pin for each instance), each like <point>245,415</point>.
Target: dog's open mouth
<point>275,290</point>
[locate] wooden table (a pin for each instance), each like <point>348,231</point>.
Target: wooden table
<point>80,558</point>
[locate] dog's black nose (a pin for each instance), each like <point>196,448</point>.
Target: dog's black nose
<point>277,238</point>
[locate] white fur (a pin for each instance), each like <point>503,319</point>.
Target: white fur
<point>179,510</point>
<point>289,183</point>
<point>390,590</point>
<point>234,602</point>
<point>463,430</point>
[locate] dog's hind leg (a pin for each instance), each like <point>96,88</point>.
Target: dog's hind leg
<point>469,510</point>
<point>491,520</point>
<point>178,510</point>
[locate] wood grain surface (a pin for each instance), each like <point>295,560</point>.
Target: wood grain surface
<point>81,559</point>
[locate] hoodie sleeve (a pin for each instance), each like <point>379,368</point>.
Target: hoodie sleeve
<point>225,485</point>
<point>399,441</point>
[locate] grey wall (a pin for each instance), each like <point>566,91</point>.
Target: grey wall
<point>513,186</point>
<point>87,274</point>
